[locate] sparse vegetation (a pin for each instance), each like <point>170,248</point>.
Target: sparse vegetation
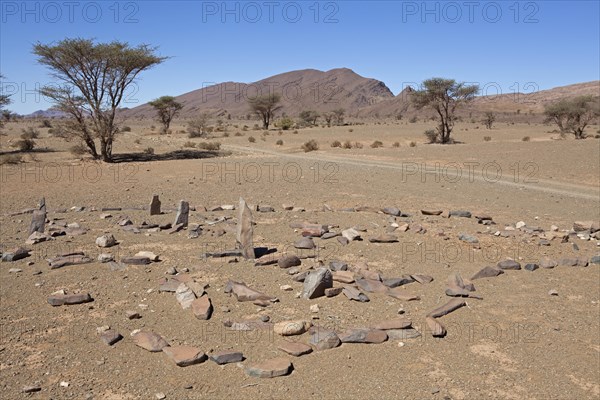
<point>149,150</point>
<point>46,124</point>
<point>526,139</point>
<point>489,119</point>
<point>358,145</point>
<point>413,144</point>
<point>265,107</point>
<point>413,119</point>
<point>573,115</point>
<point>311,145</point>
<point>396,144</point>
<point>347,144</point>
<point>431,135</point>
<point>309,118</point>
<point>24,145</point>
<point>78,150</point>
<point>285,123</point>
<point>487,138</point>
<point>336,143</point>
<point>11,159</point>
<point>279,142</point>
<point>211,146</point>
<point>251,139</point>
<point>376,144</point>
<point>189,144</point>
<point>198,127</point>
<point>30,133</point>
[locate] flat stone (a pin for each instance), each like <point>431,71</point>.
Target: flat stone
<point>38,237</point>
<point>355,294</point>
<point>110,337</point>
<point>105,257</point>
<point>350,234</point>
<point>184,356</point>
<point>183,213</point>
<point>548,263</point>
<point>202,308</point>
<point>363,335</point>
<point>149,254</point>
<point>447,308</point>
<point>468,238</point>
<point>332,292</point>
<point>132,314</point>
<point>15,254</point>
<point>289,261</point>
<point>15,270</point>
<point>394,323</point>
<point>579,226</point>
<point>300,277</point>
<point>435,327</point>
<point>295,349</point>
<point>595,260</point>
<point>323,339</point>
<point>227,357</point>
<point>291,328</point>
<point>313,230</point>
<point>270,368</point>
<point>107,240</point>
<point>487,272</point>
<point>338,265</point>
<point>31,389</point>
<point>403,334</point>
<point>509,264</point>
<point>342,240</point>
<point>400,294</point>
<point>385,238</point>
<point>531,267</point>
<point>316,282</point>
<point>150,341</point>
<point>371,286</point>
<point>305,243</point>
<point>431,212</point>
<point>395,282</point>
<point>573,262</point>
<point>460,213</point>
<point>343,276</point>
<point>63,261</point>
<point>136,260</point>
<point>330,235</point>
<point>422,279</point>
<point>69,299</point>
<point>244,293</point>
<point>391,211</point>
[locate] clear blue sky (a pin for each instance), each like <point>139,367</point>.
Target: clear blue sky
<point>497,44</point>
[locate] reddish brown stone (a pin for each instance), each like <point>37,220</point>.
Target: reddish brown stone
<point>294,348</point>
<point>184,356</point>
<point>202,308</point>
<point>270,368</point>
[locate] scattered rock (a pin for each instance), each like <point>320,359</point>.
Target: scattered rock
<point>355,294</point>
<point>132,314</point>
<point>185,296</point>
<point>553,292</point>
<point>395,282</point>
<point>104,257</point>
<point>135,260</point>
<point>391,211</point>
<point>363,335</point>
<point>468,238</point>
<point>338,265</point>
<point>69,299</point>
<point>422,279</point>
<point>15,254</point>
<point>202,308</point>
<point>371,286</point>
<point>148,254</point>
<point>350,235</point>
<point>323,339</point>
<point>487,272</point>
<point>245,231</point>
<point>403,334</point>
<point>31,389</point>
<point>385,238</point>
<point>150,341</point>
<point>184,356</point>
<point>110,337</point>
<point>460,213</point>
<point>305,243</point>
<point>316,282</point>
<point>531,267</point>
<point>291,328</point>
<point>431,212</point>
<point>155,205</point>
<point>227,357</point>
<point>295,349</point>
<point>183,213</point>
<point>244,293</point>
<point>509,264</point>
<point>107,240</point>
<point>436,328</point>
<point>343,276</point>
<point>447,308</point>
<point>395,323</point>
<point>332,292</point>
<point>270,368</point>
<point>548,263</point>
<point>289,261</point>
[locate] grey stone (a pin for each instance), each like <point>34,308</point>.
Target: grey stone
<point>391,211</point>
<point>305,243</point>
<point>155,205</point>
<point>402,334</point>
<point>354,294</point>
<point>363,335</point>
<point>289,261</point>
<point>338,265</point>
<point>150,341</point>
<point>69,299</point>
<point>110,337</point>
<point>107,240</point>
<point>316,282</point>
<point>227,357</point>
<point>245,231</point>
<point>270,368</point>
<point>468,238</point>
<point>395,282</point>
<point>447,308</point>
<point>183,213</point>
<point>324,339</point>
<point>460,213</point>
<point>487,272</point>
<point>531,267</point>
<point>509,264</point>
<point>184,356</point>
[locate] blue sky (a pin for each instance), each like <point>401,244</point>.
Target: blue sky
<point>502,45</point>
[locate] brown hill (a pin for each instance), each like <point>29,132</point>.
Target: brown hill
<point>308,89</point>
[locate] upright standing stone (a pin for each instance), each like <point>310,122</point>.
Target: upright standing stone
<point>155,205</point>
<point>183,212</point>
<point>38,220</point>
<point>245,231</point>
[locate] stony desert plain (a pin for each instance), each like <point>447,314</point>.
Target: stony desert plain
<point>526,333</point>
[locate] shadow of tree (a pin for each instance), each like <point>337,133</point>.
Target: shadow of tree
<point>33,151</point>
<point>172,155</point>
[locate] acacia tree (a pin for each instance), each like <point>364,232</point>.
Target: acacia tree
<point>265,107</point>
<point>573,115</point>
<point>166,108</point>
<point>489,119</point>
<point>4,101</point>
<point>443,96</point>
<point>309,117</point>
<point>93,78</point>
<point>338,114</point>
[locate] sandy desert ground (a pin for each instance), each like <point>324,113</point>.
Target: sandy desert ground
<point>518,341</point>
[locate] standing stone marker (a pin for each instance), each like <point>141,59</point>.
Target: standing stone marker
<point>245,231</point>
<point>183,213</point>
<point>155,205</point>
<point>38,220</point>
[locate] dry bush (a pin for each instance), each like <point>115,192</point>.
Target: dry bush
<point>396,144</point>
<point>252,139</point>
<point>487,138</point>
<point>296,131</point>
<point>137,141</point>
<point>413,119</point>
<point>126,129</point>
<point>350,130</point>
<point>358,145</point>
<point>211,146</point>
<point>431,135</point>
<point>78,150</point>
<point>46,124</point>
<point>526,139</point>
<point>238,134</point>
<point>347,144</point>
<point>149,150</point>
<point>189,144</point>
<point>24,145</point>
<point>376,144</point>
<point>336,143</point>
<point>30,133</point>
<point>311,145</point>
<point>413,144</point>
<point>279,142</point>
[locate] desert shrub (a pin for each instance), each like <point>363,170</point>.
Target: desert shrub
<point>238,134</point>
<point>350,130</point>
<point>265,133</point>
<point>286,123</point>
<point>11,159</point>
<point>597,136</point>
<point>477,127</point>
<point>347,144</point>
<point>245,128</point>
<point>431,135</point>
<point>149,150</point>
<point>336,143</point>
<point>487,138</point>
<point>279,142</point>
<point>226,134</point>
<point>211,146</point>
<point>413,144</point>
<point>78,150</point>
<point>46,124</point>
<point>24,144</point>
<point>295,132</point>
<point>396,144</point>
<point>311,145</point>
<point>59,131</point>
<point>256,127</point>
<point>137,141</point>
<point>126,129</point>
<point>526,139</point>
<point>30,133</point>
<point>413,119</point>
<point>251,139</point>
<point>358,145</point>
<point>376,144</point>
<point>189,144</point>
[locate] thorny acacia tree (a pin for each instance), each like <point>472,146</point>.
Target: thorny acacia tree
<point>265,107</point>
<point>166,108</point>
<point>93,78</point>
